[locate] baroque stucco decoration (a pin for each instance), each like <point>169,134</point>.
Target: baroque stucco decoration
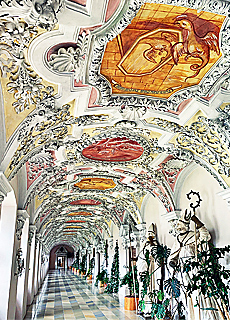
<point>58,134</point>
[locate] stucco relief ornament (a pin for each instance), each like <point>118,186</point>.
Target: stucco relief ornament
<point>172,167</point>
<point>44,12</point>
<point>71,59</point>
<point>1,199</point>
<point>37,164</point>
<point>32,230</point>
<point>37,240</point>
<point>19,263</point>
<point>142,232</point>
<point>20,224</point>
<point>110,242</point>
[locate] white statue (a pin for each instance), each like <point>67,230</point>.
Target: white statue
<point>142,266</point>
<point>184,247</point>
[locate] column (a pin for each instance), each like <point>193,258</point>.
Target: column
<point>37,262</point>
<point>22,236</point>
<point>29,261</point>
<point>40,263</point>
<point>7,238</point>
<point>34,271</point>
<point>32,250</point>
<point>88,261</point>
<point>97,264</point>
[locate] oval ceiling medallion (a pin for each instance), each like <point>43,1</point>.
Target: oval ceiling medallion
<point>95,183</point>
<point>114,149</point>
<point>75,221</point>
<point>85,201</point>
<point>80,213</point>
<point>72,227</point>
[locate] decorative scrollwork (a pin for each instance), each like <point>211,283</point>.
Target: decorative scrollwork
<point>71,59</point>
<point>21,218</point>
<point>40,13</point>
<point>37,164</point>
<point>19,263</point>
<point>32,230</point>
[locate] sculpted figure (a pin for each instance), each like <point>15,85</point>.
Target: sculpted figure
<point>142,267</point>
<point>184,247</point>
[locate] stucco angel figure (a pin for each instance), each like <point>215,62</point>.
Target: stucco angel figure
<point>185,247</point>
<point>142,267</point>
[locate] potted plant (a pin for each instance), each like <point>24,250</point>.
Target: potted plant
<point>211,279</point>
<point>131,301</point>
<point>75,265</point>
<point>113,283</point>
<point>89,274</point>
<point>83,265</point>
<point>102,278</point>
<point>160,305</point>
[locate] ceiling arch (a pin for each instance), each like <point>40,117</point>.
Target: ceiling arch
<point>88,132</point>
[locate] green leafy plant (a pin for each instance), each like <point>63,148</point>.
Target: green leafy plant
<point>160,253</point>
<point>76,261</point>
<point>211,279</point>
<point>83,264</point>
<point>172,287</point>
<point>113,284</point>
<point>91,266</point>
<point>180,310</point>
<point>128,280</point>
<point>102,276</point>
<point>160,305</point>
<point>145,279</point>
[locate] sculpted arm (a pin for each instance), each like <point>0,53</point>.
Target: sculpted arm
<point>204,233</point>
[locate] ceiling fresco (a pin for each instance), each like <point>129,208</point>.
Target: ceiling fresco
<point>106,102</point>
<point>95,183</point>
<point>114,149</point>
<point>164,49</point>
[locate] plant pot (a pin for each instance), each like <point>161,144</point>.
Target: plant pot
<point>130,303</point>
<point>101,289</point>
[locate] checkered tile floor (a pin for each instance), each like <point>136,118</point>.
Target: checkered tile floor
<point>67,296</point>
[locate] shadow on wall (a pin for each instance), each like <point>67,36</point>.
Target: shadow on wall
<point>70,255</point>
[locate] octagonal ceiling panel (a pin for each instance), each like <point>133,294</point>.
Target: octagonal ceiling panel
<point>164,49</point>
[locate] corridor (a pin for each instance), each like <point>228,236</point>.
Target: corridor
<point>67,296</point>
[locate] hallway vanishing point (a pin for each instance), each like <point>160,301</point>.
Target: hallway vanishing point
<point>67,296</point>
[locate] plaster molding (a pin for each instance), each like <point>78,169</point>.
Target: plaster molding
<point>22,215</point>
<point>173,215</point>
<point>19,263</point>
<point>225,195</point>
<point>32,230</point>
<point>5,186</point>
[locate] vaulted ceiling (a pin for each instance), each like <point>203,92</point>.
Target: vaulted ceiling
<point>106,101</point>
